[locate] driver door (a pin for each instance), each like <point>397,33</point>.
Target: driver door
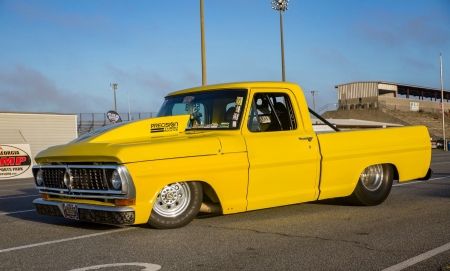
<point>283,158</point>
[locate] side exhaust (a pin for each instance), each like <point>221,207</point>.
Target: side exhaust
<point>208,207</point>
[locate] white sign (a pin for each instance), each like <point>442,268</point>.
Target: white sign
<point>15,161</point>
<point>413,106</point>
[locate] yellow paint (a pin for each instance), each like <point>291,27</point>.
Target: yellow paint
<point>248,170</point>
<point>346,154</point>
<point>283,169</point>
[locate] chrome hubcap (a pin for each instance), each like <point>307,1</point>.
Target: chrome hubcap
<point>372,177</point>
<point>173,200</point>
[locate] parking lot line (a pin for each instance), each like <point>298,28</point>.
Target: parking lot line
<point>440,163</point>
<point>65,240</point>
<point>419,258</point>
<point>37,195</point>
<point>18,184</point>
<point>2,190</point>
<point>18,212</point>
<point>413,182</point>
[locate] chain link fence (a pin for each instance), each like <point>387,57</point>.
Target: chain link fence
<point>88,122</point>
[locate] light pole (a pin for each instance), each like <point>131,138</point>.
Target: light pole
<point>202,33</point>
<point>114,86</point>
<point>281,5</point>
<point>314,93</point>
<point>128,98</point>
<point>443,108</point>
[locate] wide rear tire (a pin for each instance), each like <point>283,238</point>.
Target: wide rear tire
<point>374,185</point>
<point>177,204</point>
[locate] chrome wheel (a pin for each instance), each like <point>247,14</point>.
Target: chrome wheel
<point>372,177</point>
<point>173,200</point>
<point>176,205</point>
<point>374,185</point>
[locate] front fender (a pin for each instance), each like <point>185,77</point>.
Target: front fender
<point>227,174</point>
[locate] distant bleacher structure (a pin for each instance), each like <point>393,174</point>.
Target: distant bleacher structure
<point>393,103</point>
<point>397,96</point>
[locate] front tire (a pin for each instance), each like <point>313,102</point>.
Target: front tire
<point>374,185</point>
<point>176,205</point>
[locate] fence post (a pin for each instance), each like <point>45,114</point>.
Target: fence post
<point>79,125</point>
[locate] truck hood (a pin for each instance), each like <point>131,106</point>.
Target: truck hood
<point>145,140</point>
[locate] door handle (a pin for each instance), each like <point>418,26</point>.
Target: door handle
<point>306,138</point>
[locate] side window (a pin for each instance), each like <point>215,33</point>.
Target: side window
<point>271,112</point>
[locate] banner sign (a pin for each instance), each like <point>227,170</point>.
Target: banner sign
<point>15,161</point>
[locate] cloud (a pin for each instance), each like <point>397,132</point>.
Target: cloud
<point>150,86</point>
<point>417,63</point>
<point>330,59</point>
<point>384,36</point>
<point>391,30</point>
<point>145,79</point>
<point>34,12</point>
<point>329,55</point>
<point>24,89</point>
<point>192,78</point>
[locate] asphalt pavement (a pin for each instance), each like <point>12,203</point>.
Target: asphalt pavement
<point>409,231</point>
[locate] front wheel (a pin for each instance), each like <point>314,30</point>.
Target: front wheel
<point>176,205</point>
<point>374,185</point>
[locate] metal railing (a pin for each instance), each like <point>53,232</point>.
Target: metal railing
<point>325,108</point>
<point>87,122</point>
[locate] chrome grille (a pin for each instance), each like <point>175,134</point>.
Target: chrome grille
<point>54,177</point>
<point>82,178</point>
<point>88,179</point>
<point>82,181</point>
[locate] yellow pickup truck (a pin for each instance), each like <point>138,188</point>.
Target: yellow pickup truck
<point>224,149</point>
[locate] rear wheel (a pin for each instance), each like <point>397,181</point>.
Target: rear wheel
<point>374,185</point>
<point>176,205</point>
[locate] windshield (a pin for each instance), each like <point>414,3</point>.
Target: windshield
<point>219,109</point>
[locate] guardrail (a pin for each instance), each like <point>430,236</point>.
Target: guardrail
<point>88,122</point>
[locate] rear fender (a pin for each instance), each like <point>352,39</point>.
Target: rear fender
<point>428,176</point>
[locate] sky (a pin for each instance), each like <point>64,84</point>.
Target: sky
<point>61,56</point>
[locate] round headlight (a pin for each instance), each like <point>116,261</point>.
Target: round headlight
<point>39,178</point>
<point>115,180</point>
<point>67,178</point>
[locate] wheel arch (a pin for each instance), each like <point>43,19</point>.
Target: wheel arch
<point>394,168</point>
<point>210,196</point>
<point>209,192</point>
<point>396,173</point>
<point>177,204</point>
<point>362,168</point>
<point>371,193</point>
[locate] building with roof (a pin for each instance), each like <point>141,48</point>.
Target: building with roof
<point>395,103</point>
<point>395,96</point>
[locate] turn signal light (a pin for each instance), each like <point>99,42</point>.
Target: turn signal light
<point>45,196</point>
<point>125,202</point>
